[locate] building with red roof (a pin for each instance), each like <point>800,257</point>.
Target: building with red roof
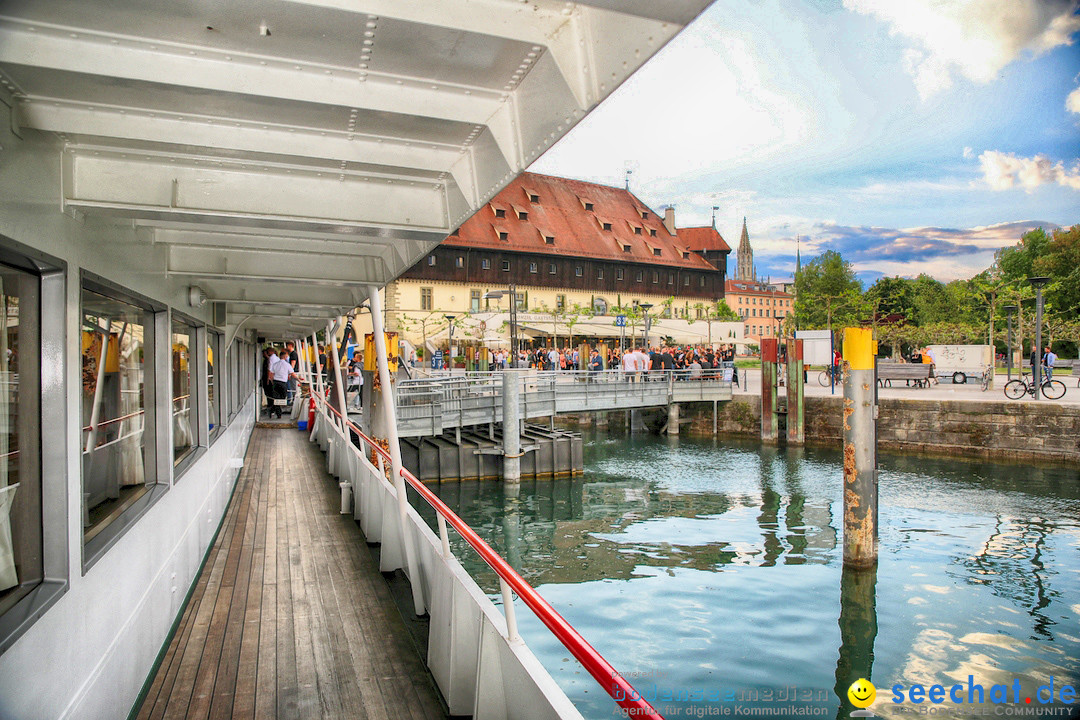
<point>568,246</point>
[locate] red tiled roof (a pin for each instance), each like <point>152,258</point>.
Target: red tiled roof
<point>578,232</point>
<point>749,287</point>
<point>702,238</point>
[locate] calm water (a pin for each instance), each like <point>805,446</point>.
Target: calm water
<point>710,575</point>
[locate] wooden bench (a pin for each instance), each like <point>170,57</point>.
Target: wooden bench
<point>918,373</point>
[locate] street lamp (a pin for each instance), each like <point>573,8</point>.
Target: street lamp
<point>497,295</point>
<point>1009,310</point>
<point>1036,373</point>
<point>450,350</point>
<point>646,307</point>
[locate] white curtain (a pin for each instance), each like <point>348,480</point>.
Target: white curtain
<point>8,577</point>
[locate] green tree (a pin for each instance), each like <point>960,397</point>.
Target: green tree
<point>1060,262</point>
<point>1018,262</point>
<point>827,289</point>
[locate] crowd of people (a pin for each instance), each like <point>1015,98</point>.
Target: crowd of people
<point>689,360</point>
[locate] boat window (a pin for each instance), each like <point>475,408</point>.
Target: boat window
<point>115,356</point>
<point>184,391</point>
<point>213,356</point>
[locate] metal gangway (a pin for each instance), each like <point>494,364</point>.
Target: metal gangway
<point>431,404</point>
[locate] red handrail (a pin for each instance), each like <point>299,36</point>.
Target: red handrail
<point>620,690</point>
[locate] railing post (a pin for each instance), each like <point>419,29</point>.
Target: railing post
<point>770,429</point>
<point>390,415</point>
<point>796,409</point>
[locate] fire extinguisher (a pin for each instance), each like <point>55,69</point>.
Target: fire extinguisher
<point>311,413</point>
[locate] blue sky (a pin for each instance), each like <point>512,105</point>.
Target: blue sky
<point>913,136</point>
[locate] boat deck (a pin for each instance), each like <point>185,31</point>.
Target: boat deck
<point>290,617</point>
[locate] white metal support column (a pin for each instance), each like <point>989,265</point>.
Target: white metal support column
<point>331,333</point>
<point>390,412</point>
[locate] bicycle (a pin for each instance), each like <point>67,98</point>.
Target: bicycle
<point>1016,389</point>
<point>987,377</point>
<point>823,376</point>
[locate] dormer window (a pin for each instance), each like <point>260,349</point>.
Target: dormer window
<point>626,247</point>
<point>656,251</point>
<point>644,215</point>
<point>503,235</point>
<point>534,198</point>
<point>606,226</point>
<point>522,215</point>
<point>431,260</point>
<point>652,231</point>
<point>685,254</point>
<point>500,213</point>
<point>549,239</point>
<point>637,229</point>
<point>589,206</point>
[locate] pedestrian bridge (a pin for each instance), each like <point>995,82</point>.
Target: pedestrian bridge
<point>429,405</point>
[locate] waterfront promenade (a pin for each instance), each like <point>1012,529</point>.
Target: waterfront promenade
<point>946,391</point>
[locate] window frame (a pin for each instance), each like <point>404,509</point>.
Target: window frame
<point>427,298</point>
<point>197,374</point>
<point>49,408</point>
<point>213,342</point>
<point>158,466</point>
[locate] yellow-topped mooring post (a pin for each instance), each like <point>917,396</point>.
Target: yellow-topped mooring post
<point>860,448</point>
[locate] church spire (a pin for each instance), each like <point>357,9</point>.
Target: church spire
<point>744,269</point>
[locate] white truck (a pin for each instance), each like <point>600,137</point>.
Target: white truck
<point>961,362</point>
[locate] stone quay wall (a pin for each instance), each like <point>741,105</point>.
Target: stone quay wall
<point>1000,430</point>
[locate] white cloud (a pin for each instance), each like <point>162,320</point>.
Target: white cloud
<point>973,38</point>
<point>1072,102</point>
<point>968,153</point>
<point>1003,171</point>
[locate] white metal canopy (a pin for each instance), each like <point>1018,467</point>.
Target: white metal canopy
<point>284,155</point>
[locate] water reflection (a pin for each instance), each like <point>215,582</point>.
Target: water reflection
<point>716,568</point>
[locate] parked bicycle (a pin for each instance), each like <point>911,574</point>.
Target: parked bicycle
<point>987,377</point>
<point>823,376</point>
<point>1016,389</point>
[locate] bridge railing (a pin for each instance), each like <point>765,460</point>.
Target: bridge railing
<point>482,665</point>
<point>468,398</point>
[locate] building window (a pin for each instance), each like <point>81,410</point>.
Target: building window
<point>619,273</point>
<point>431,260</point>
<point>655,277</point>
<point>638,276</point>
<point>117,356</point>
<point>686,281</point>
<point>503,235</point>
<point>600,274</point>
<point>626,247</point>
<point>460,261</point>
<point>519,298</point>
<point>699,313</point>
<point>549,239</point>
<point>701,281</point>
<point>534,198</point>
<point>552,269</point>
<point>637,229</point>
<point>425,299</point>
<point>577,271</point>
<point>606,225</point>
<point>500,213</point>
<point>656,251</point>
<point>474,300</point>
<point>652,232</point>
<point>644,215</point>
<point>588,206</point>
<point>600,306</point>
<point>560,303</point>
<point>522,215</point>
<point>532,268</point>
<point>671,279</point>
<point>686,255</point>
<point>485,264</point>
<point>506,265</point>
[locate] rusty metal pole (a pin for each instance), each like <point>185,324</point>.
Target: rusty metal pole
<point>796,415</point>
<point>770,425</point>
<point>860,449</point>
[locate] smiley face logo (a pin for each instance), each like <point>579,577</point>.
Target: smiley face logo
<point>862,693</point>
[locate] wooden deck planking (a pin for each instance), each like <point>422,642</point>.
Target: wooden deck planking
<point>290,617</point>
